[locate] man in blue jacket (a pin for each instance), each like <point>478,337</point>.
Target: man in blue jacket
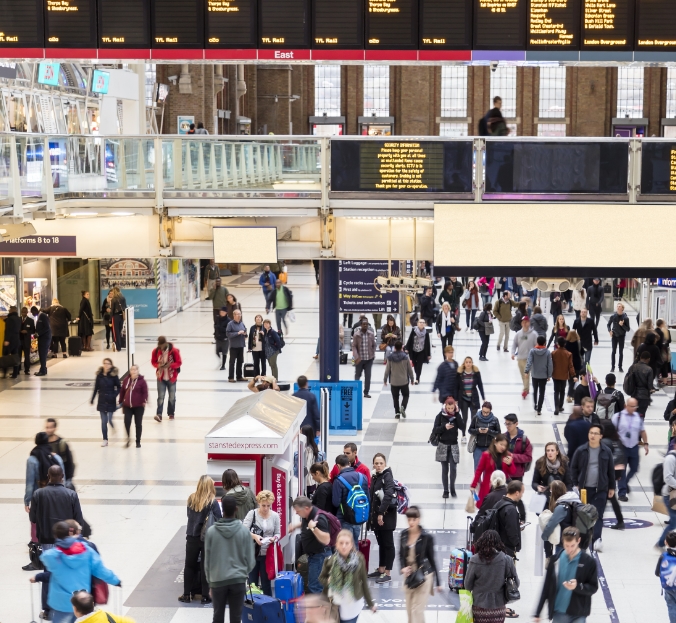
<point>447,377</point>
<point>267,282</point>
<point>312,414</point>
<point>341,492</point>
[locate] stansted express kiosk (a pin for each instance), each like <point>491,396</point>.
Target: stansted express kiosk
<point>259,437</point>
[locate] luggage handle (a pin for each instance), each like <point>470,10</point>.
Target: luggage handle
<point>32,603</point>
<point>70,326</point>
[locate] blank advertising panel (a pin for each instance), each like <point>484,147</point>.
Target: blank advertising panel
<point>231,23</point>
<point>557,167</point>
<point>655,25</point>
<point>245,245</point>
<point>124,23</point>
<point>284,23</point>
<point>70,24</point>
<point>338,24</point>
<point>445,25</point>
<point>392,24</point>
<point>21,24</point>
<point>500,24</point>
<point>607,24</point>
<point>401,166</point>
<point>658,168</point>
<point>554,24</point>
<point>178,24</point>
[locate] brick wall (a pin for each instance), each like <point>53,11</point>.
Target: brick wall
<point>352,96</point>
<point>201,103</point>
<point>415,99</point>
<point>591,99</point>
<point>655,98</point>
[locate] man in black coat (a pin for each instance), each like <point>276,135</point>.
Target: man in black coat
<point>44,333</point>
<point>26,333</point>
<point>427,307</point>
<point>447,377</point>
<point>59,317</point>
<point>12,341</point>
<point>595,296</point>
<point>508,524</point>
<point>586,329</point>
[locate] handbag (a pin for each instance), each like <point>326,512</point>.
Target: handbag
<point>471,444</point>
<point>274,560</point>
<point>672,498</point>
<point>489,329</point>
<point>256,529</point>
<point>434,438</point>
<point>442,452</point>
<point>418,577</point>
<point>511,589</point>
<point>382,346</point>
<point>100,591</point>
<point>658,505</point>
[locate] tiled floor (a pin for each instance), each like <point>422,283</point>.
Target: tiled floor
<point>135,498</point>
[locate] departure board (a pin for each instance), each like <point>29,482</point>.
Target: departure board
<point>70,24</point>
<point>607,24</point>
<point>338,24</point>
<point>500,24</point>
<point>655,25</point>
<point>401,166</point>
<point>392,24</point>
<point>445,24</point>
<point>284,24</point>
<point>231,23</point>
<point>554,25</point>
<point>124,23</point>
<point>658,168</point>
<point>21,24</point>
<point>557,167</point>
<point>178,24</point>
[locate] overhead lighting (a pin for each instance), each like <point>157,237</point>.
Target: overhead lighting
<point>122,213</point>
<point>83,214</point>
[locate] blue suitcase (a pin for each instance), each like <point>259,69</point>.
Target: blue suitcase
<point>287,585</point>
<point>262,609</point>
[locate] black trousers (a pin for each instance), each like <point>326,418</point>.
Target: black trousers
<point>467,414</point>
<point>571,387</point>
<point>448,472</point>
<point>404,391</point>
<point>194,546</point>
<point>599,499</point>
<point>617,341</point>
<point>614,501</point>
<point>215,315</point>
<point>232,596</point>
<point>259,362</point>
<point>484,343</point>
<point>418,362</point>
<point>43,348</point>
<point>364,365</point>
<point>26,352</point>
<point>539,386</point>
<point>137,414</point>
<point>385,540</point>
<point>595,314</point>
<point>447,340</point>
<point>559,394</point>
<point>347,318</point>
<point>55,345</point>
<point>109,331</point>
<point>236,357</point>
<point>118,323</point>
<point>643,405</point>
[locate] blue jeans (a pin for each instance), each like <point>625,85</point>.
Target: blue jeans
<point>280,316</point>
<point>668,528</point>
<point>561,617</point>
<point>356,530</point>
<point>106,418</point>
<point>670,598</point>
<point>632,464</point>
<point>62,617</point>
<point>315,562</point>
<point>353,620</point>
<point>259,576</point>
<point>477,456</point>
<point>162,387</point>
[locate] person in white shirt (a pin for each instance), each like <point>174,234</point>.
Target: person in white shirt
<point>631,430</point>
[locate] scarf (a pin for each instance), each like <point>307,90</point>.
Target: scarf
<point>419,339</point>
<point>553,467</point>
<point>446,325</point>
<point>341,578</point>
<point>43,453</point>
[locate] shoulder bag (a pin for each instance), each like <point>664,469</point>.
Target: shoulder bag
<point>256,529</point>
<point>471,444</point>
<point>418,577</point>
<point>510,588</point>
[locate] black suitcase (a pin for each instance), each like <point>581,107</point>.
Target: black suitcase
<point>248,369</point>
<point>8,361</point>
<point>74,346</point>
<point>343,358</point>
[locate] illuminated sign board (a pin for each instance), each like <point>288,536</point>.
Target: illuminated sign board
<point>231,23</point>
<point>392,24</point>
<point>658,168</point>
<point>554,25</point>
<point>655,25</point>
<point>177,24</point>
<point>284,24</point>
<point>500,24</point>
<point>445,24</point>
<point>607,24</point>
<point>21,24</point>
<point>401,166</point>
<point>48,73</point>
<point>124,23</point>
<point>100,81</point>
<point>338,24</point>
<point>70,23</point>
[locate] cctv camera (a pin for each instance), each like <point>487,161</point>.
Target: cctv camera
<point>173,79</point>
<point>494,66</point>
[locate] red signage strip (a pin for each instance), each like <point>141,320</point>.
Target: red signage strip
<point>177,55</point>
<point>391,55</point>
<point>337,55</point>
<point>279,491</point>
<point>284,55</point>
<point>84,53</point>
<point>113,53</point>
<point>444,55</point>
<point>225,54</point>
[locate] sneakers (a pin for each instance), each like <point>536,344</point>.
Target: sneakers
<point>618,526</point>
<point>374,574</point>
<point>186,599</point>
<point>383,579</point>
<point>397,415</point>
<point>620,369</point>
<point>623,498</point>
<point>445,495</point>
<point>464,439</point>
<point>506,350</point>
<point>171,417</point>
<point>29,567</point>
<point>138,444</point>
<point>403,412</point>
<point>104,443</point>
<point>158,418</point>
<point>367,395</point>
<point>524,394</point>
<point>570,398</point>
<point>498,347</point>
<point>556,411</point>
<point>598,545</point>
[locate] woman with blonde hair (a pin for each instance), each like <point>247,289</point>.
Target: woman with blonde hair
<point>446,324</point>
<point>344,579</point>
<point>265,528</point>
<point>560,329</point>
<point>201,504</point>
<point>647,326</point>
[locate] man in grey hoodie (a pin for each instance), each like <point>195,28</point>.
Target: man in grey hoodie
<point>539,322</point>
<point>524,342</point>
<point>399,373</point>
<point>541,367</point>
<point>228,560</point>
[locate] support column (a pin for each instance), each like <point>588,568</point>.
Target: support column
<point>329,322</point>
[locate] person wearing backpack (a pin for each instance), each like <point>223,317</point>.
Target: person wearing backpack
<point>508,522</point>
<point>666,571</point>
<point>631,430</point>
<point>669,480</point>
<point>565,507</point>
<point>618,327</point>
<point>610,401</point>
<point>350,497</point>
<point>383,519</point>
<point>592,469</point>
<point>638,382</point>
<point>522,453</point>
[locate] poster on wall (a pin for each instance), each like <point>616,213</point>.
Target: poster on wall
<point>190,279</point>
<point>183,123</point>
<point>169,286</point>
<point>136,279</point>
<point>7,293</point>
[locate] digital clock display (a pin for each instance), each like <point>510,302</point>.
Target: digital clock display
<point>445,24</point>
<point>70,24</point>
<point>607,24</point>
<point>554,25</point>
<point>338,24</point>
<point>284,23</point>
<point>500,24</point>
<point>231,23</point>
<point>178,24</point>
<point>124,23</point>
<point>21,24</point>
<point>392,24</point>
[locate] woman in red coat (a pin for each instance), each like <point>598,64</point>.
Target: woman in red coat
<point>496,457</point>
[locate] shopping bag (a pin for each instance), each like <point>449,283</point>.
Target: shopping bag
<point>537,503</point>
<point>659,506</point>
<point>470,507</point>
<point>465,614</point>
<point>291,315</point>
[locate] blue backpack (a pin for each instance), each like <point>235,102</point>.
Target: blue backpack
<point>668,571</point>
<point>357,507</point>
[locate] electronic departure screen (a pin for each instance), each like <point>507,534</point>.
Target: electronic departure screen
<point>554,25</point>
<point>658,168</point>
<point>124,23</point>
<point>178,23</point>
<point>392,24</point>
<point>655,25</point>
<point>557,167</point>
<point>500,24</point>
<point>401,166</point>
<point>284,24</point>
<point>231,23</point>
<point>445,25</point>
<point>338,24</point>
<point>70,23</point>
<point>607,24</point>
<point>21,24</point>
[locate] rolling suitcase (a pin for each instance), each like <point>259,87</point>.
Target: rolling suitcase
<point>288,588</point>
<point>74,343</point>
<point>457,566</point>
<point>262,609</point>
<point>248,369</point>
<point>364,545</point>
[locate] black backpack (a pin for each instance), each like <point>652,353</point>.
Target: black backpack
<point>515,322</point>
<point>489,521</point>
<point>629,385</point>
<point>658,476</point>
